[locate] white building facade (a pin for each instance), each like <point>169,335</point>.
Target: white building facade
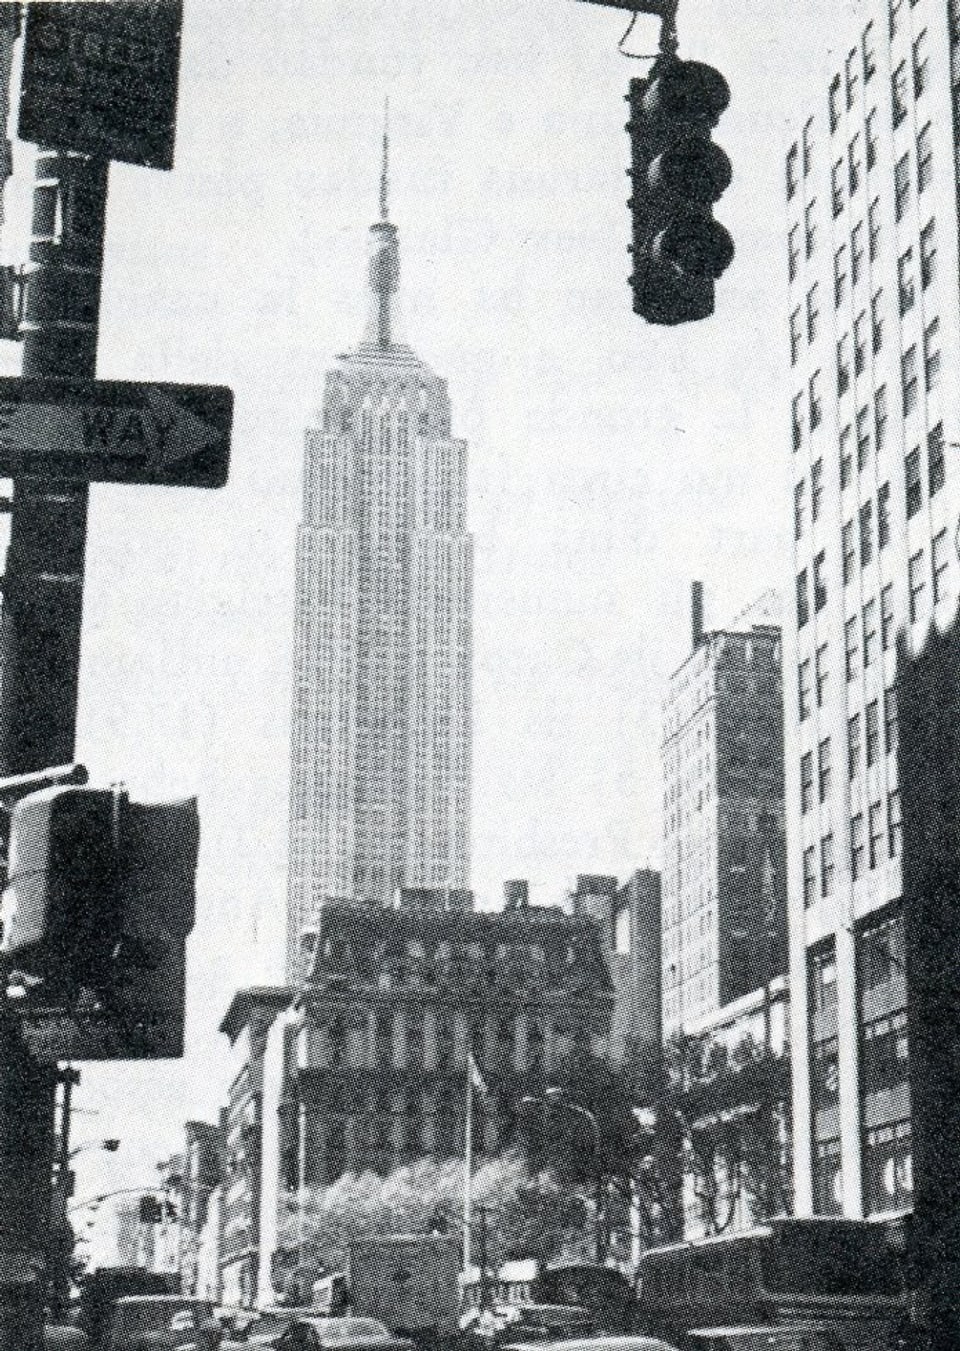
<point>381,736</point>
<point>874,339</point>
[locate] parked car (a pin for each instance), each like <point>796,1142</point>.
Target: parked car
<point>162,1323</point>
<point>64,1337</point>
<point>618,1343</point>
<point>783,1337</point>
<point>515,1323</point>
<point>296,1330</point>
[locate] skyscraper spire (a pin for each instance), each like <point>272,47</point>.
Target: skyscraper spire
<point>385,170</point>
<point>384,256</point>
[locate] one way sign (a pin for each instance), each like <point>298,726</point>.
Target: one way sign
<point>112,431</point>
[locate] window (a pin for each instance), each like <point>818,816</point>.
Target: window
<point>938,557</point>
<point>894,823</point>
<point>810,227</point>
<point>851,647</point>
<point>924,158</point>
<point>863,436</point>
<point>826,865</point>
<point>834,103</point>
<point>853,746</point>
<point>823,769</point>
<point>795,335</point>
<point>803,689</point>
<point>886,616</point>
<point>901,186</point>
<point>866,533</point>
<point>820,581</point>
<point>846,457</point>
<point>869,54</point>
<point>816,405</point>
<point>856,252</point>
<point>821,673</point>
<point>843,365</point>
<point>873,733</point>
<point>894,17</point>
<point>883,515</point>
<point>806,781</point>
<point>797,421</point>
<point>857,847</point>
<point>917,581</point>
<point>905,280</point>
<point>880,416</point>
<point>853,77</point>
<point>876,834</point>
<point>793,156</point>
<point>870,649</point>
<point>914,485</point>
<point>816,490</point>
<point>872,139</point>
<point>876,321</point>
<point>809,875</point>
<point>793,252</point>
<point>813,311</point>
<point>909,379</point>
<point>899,91</point>
<point>808,146</point>
<point>928,254</point>
<point>873,220</point>
<point>839,274</point>
<point>836,187</point>
<point>859,343</point>
<point>849,552</point>
<point>853,163</point>
<point>798,496</point>
<point>936,461</point>
<point>931,353</point>
<point>920,64</point>
<point>891,725</point>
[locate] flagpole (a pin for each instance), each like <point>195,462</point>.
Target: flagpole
<point>468,1173</point>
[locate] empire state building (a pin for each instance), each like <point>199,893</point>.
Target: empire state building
<point>381,727</point>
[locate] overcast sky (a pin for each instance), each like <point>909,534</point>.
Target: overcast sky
<point>610,462</point>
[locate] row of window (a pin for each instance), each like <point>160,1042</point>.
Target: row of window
<point>910,389</point>
<point>857,743</point>
<point>872,838</point>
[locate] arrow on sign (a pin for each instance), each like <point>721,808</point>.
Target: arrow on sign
<point>115,431</point>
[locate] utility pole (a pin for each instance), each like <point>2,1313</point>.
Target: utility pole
<point>40,638</point>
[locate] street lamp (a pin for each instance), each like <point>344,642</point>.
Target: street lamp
<point>555,1096</point>
<point>110,1146</point>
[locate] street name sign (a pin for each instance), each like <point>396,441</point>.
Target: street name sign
<point>100,77</point>
<point>115,431</point>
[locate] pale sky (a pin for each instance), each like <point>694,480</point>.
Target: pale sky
<point>610,462</point>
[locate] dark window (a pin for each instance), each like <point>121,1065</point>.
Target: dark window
<point>839,274</point>
<point>920,64</point>
<point>809,875</point>
<point>936,461</point>
<point>843,366</point>
<point>823,769</point>
<point>793,252</point>
<point>849,552</point>
<point>873,733</point>
<point>816,490</point>
<point>798,495</point>
<point>891,722</point>
<point>914,485</point>
<point>928,254</point>
<point>846,457</point>
<point>872,139</point>
<point>876,835</point>
<point>880,416</point>
<point>803,689</point>
<point>853,163</point>
<point>816,404</point>
<point>826,865</point>
<point>870,636</point>
<point>905,280</point>
<point>917,578</point>
<point>858,847</point>
<point>853,746</point>
<point>939,559</point>
<point>931,353</point>
<point>793,158</point>
<point>869,54</point>
<point>901,186</point>
<point>924,158</point>
<point>803,604</point>
<point>820,581</point>
<point>876,321</point>
<point>886,616</point>
<point>834,103</point>
<point>821,673</point>
<point>899,92</point>
<point>836,187</point>
<point>866,533</point>
<point>852,646</point>
<point>873,221</point>
<point>806,781</point>
<point>909,379</point>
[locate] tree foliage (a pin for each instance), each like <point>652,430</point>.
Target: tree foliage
<point>528,1213</point>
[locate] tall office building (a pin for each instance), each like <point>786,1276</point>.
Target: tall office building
<point>381,737</point>
<point>723,856</point>
<point>874,340</point>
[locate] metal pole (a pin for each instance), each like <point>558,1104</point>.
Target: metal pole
<point>40,640</point>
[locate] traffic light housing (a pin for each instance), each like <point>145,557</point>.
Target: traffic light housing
<point>678,172</point>
<point>100,899</point>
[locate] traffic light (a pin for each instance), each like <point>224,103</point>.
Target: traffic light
<point>99,901</point>
<point>678,173</point>
<point>150,1210</point>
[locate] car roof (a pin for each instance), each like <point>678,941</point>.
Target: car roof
<point>758,1329</point>
<point>162,1299</point>
<point>620,1342</point>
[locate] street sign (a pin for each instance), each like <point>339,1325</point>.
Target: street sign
<point>115,431</point>
<point>101,77</point>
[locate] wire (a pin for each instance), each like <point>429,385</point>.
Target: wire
<point>634,56</point>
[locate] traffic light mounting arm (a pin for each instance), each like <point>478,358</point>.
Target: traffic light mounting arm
<point>664,10</point>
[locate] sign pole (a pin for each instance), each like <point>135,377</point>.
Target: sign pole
<point>40,638</point>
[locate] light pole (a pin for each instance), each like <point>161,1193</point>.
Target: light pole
<point>555,1096</point>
